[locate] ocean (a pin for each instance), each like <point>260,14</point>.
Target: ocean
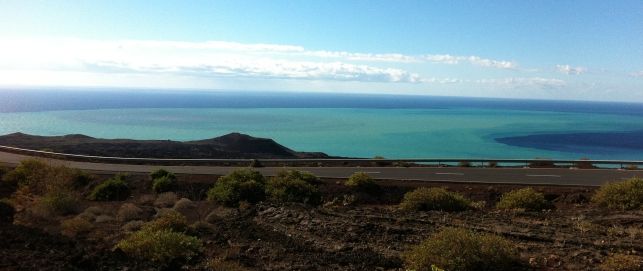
<point>352,125</point>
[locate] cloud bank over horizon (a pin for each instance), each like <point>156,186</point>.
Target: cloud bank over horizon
<point>256,66</point>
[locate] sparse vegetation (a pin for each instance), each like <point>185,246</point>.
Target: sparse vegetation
<point>75,226</point>
<point>165,200</point>
<point>163,181</point>
<point>440,199</point>
<point>110,190</point>
<point>362,182</point>
<point>164,247</point>
<point>164,184</point>
<point>170,220</point>
<point>59,202</point>
<point>184,205</point>
<point>461,249</point>
<point>625,195</point>
<point>620,262</point>
<point>527,199</point>
<point>293,186</point>
<point>128,212</point>
<point>31,172</point>
<point>159,173</point>
<point>240,185</point>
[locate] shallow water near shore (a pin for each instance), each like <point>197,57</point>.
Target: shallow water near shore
<point>445,130</point>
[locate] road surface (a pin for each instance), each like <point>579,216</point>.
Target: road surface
<point>558,176</point>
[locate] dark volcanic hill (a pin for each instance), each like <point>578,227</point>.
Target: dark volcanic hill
<point>230,146</point>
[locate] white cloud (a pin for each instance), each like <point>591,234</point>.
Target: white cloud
<point>528,82</point>
<point>637,74</point>
<point>268,69</point>
<point>569,70</point>
<point>221,59</point>
<point>474,60</point>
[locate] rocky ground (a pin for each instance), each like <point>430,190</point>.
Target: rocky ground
<point>349,232</point>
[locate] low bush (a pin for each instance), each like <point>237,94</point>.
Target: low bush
<point>461,249</point>
<point>165,200</point>
<point>163,247</point>
<point>160,173</point>
<point>104,219</point>
<point>293,186</point>
<point>625,195</point>
<point>110,190</point>
<point>128,212</point>
<point>526,198</point>
<point>133,225</point>
<point>434,198</point>
<point>75,226</point>
<point>298,175</point>
<point>80,179</point>
<point>170,220</point>
<point>30,172</point>
<point>184,206</point>
<point>464,164</point>
<point>164,184</point>
<point>360,181</point>
<point>620,262</point>
<point>239,185</point>
<point>59,202</point>
<point>91,213</point>
<point>6,212</point>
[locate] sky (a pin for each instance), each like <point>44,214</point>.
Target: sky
<point>579,50</point>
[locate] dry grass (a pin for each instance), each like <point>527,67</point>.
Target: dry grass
<point>128,212</point>
<point>620,262</point>
<point>165,200</point>
<point>75,226</point>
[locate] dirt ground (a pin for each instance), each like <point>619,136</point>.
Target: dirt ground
<point>348,232</point>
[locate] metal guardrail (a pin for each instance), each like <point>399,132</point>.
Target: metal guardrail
<point>438,161</point>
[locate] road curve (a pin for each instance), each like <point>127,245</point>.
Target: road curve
<point>555,176</point>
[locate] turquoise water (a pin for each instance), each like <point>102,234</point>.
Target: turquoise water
<point>355,132</point>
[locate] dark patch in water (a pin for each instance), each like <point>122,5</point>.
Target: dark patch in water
<point>595,142</point>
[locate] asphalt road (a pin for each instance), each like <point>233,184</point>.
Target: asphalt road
<point>590,177</point>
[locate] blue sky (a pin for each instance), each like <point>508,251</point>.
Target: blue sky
<point>591,50</point>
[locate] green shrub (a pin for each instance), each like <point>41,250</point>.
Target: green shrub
<point>163,247</point>
<point>239,185</point>
<point>159,173</point>
<point>434,198</point>
<point>293,186</point>
<point>526,198</point>
<point>30,172</point>
<point>362,182</point>
<point>171,220</point>
<point>40,178</point>
<point>463,250</point>
<point>164,184</point>
<point>298,175</point>
<point>112,189</point>
<point>6,212</point>
<point>59,202</point>
<point>620,262</point>
<point>625,195</point>
<point>80,179</point>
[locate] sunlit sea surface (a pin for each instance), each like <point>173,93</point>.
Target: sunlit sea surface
<point>338,124</point>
